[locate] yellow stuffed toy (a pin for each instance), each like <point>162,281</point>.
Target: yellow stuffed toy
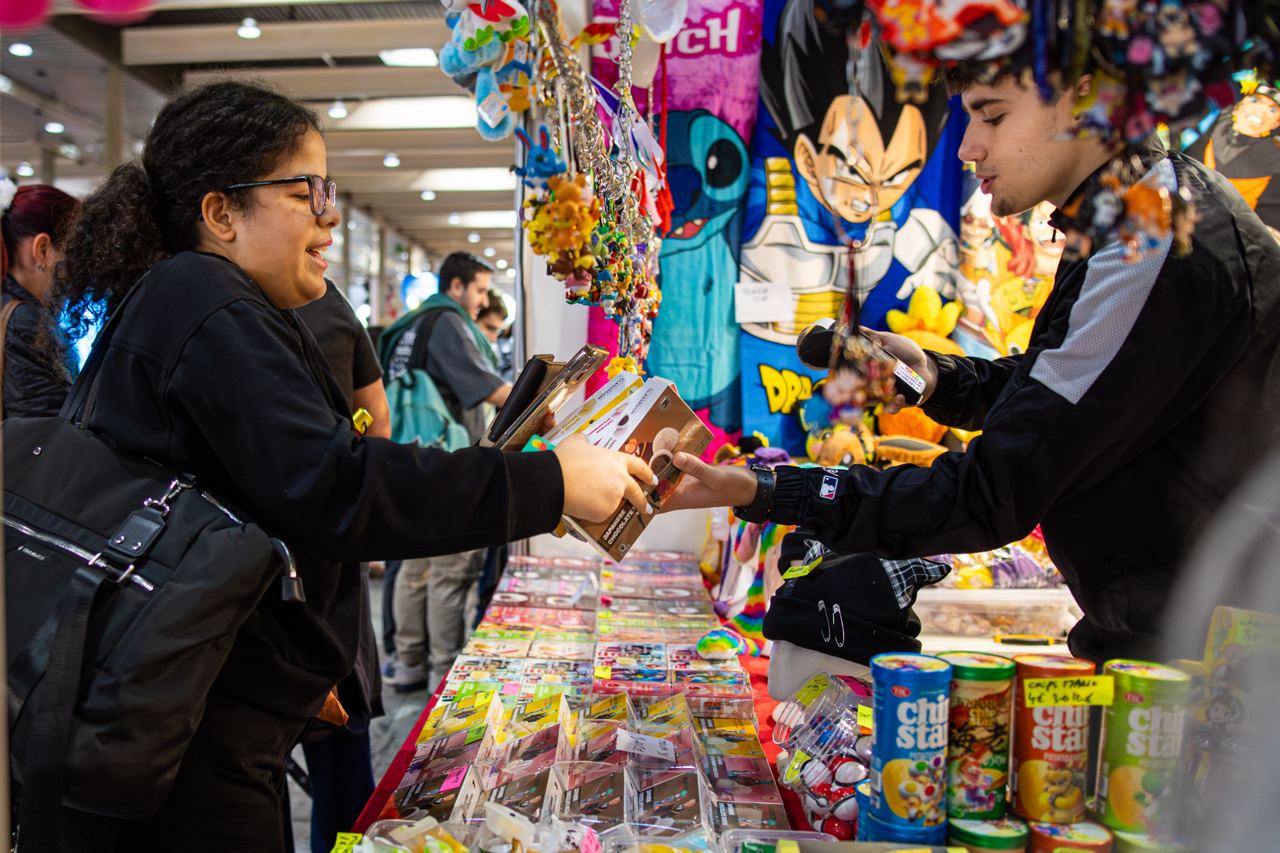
<point>927,321</point>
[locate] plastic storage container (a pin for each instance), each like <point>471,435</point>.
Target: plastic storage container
<point>982,613</point>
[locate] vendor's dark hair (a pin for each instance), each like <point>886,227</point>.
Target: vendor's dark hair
<point>958,78</point>
<point>463,266</point>
<point>202,140</point>
<point>805,69</point>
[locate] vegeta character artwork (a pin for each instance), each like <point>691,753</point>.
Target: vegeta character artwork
<point>695,341</point>
<point>850,180</point>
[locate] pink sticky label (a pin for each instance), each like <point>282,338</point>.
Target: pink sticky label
<point>511,688</point>
<point>590,842</point>
<point>454,779</point>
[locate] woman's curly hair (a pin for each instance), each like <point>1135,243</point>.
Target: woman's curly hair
<point>203,140</point>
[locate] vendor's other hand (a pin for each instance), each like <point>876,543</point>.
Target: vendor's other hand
<point>596,480</point>
<point>704,486</point>
<point>847,388</point>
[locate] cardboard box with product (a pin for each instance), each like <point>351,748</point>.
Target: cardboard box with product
<point>646,419</point>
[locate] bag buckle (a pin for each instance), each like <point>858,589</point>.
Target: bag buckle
<point>162,503</point>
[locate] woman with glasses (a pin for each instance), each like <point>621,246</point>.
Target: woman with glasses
<point>222,227</point>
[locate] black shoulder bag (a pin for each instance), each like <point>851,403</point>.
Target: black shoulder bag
<point>125,586</point>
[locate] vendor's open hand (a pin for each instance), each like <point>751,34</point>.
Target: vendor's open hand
<point>597,480</point>
<point>847,388</point>
<point>706,485</point>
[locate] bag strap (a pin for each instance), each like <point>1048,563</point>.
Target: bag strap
<point>84,388</point>
<point>6,314</point>
<point>44,777</point>
<point>419,356</point>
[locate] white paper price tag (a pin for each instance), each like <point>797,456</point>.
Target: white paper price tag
<point>762,302</point>
<point>493,109</point>
<point>654,747</point>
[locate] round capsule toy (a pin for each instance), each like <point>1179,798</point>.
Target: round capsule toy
<point>909,743</point>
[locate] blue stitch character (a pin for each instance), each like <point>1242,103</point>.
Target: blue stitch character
<point>695,339</point>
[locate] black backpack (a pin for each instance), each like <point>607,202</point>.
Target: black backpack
<point>125,586</point>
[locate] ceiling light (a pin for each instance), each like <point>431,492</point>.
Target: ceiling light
<point>467,180</point>
<point>338,110</point>
<point>455,218</point>
<point>502,264</point>
<point>54,127</point>
<point>391,161</point>
<point>489,251</point>
<point>428,195</point>
<point>21,48</point>
<point>511,273</point>
<point>485,219</point>
<point>69,151</point>
<point>410,57</point>
<point>351,225</point>
<point>25,170</point>
<point>473,237</point>
<point>6,85</point>
<point>248,29</point>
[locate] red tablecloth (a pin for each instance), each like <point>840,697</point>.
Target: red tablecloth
<point>757,668</point>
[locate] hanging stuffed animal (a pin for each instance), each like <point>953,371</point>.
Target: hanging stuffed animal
<point>541,161</point>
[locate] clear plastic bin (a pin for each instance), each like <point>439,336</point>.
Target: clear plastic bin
<point>663,803</point>
<point>588,793</point>
<point>984,612</point>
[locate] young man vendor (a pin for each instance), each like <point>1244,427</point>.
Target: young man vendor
<point>1148,392</point>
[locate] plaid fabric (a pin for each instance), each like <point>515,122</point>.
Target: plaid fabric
<point>907,576</point>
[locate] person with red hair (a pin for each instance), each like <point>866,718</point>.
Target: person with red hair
<point>32,222</point>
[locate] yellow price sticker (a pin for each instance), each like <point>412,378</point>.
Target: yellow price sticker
<point>1079,690</point>
<point>864,716</point>
<point>813,688</point>
<point>604,673</point>
<point>346,841</point>
<point>802,570</point>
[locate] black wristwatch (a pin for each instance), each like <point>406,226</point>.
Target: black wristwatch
<point>757,512</point>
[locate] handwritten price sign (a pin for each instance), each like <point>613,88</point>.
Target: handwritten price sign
<point>1081,690</point>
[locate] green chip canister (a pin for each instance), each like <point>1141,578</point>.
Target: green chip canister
<point>909,742</point>
<point>978,741</point>
<point>1141,746</point>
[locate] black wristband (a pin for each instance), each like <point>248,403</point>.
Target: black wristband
<point>757,512</point>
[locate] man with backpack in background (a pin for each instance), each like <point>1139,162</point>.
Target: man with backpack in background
<point>442,384</point>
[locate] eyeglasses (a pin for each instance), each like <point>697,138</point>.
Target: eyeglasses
<point>324,193</point>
